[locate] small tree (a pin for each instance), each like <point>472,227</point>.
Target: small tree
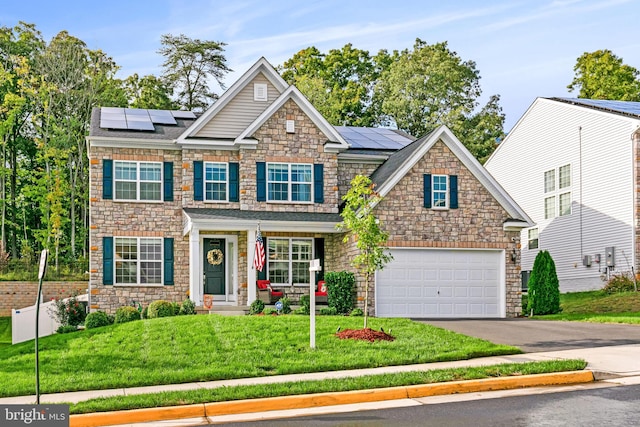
<point>544,288</point>
<point>361,224</point>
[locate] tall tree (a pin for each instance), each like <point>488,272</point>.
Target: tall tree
<point>602,75</point>
<point>339,84</point>
<point>148,92</point>
<point>20,46</point>
<point>430,86</point>
<point>363,226</point>
<point>188,65</point>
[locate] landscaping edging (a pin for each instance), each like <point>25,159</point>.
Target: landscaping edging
<point>327,399</point>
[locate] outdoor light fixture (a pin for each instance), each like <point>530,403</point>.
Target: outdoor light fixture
<point>514,255</point>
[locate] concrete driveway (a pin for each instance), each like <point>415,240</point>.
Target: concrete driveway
<point>543,335</point>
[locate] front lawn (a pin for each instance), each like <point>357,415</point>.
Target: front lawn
<point>598,306</point>
<point>201,348</point>
<point>5,331</point>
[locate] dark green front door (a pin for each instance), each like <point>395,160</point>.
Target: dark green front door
<point>214,262</point>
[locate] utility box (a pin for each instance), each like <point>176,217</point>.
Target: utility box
<point>610,256</point>
<point>586,260</point>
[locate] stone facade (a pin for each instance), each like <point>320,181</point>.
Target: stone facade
<point>477,223</point>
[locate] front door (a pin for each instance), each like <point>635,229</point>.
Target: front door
<point>214,266</point>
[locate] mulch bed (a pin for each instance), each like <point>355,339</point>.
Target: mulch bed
<point>366,334</point>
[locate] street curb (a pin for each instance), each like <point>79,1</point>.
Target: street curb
<point>326,399</point>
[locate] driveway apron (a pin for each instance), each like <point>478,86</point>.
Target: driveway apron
<point>543,335</point>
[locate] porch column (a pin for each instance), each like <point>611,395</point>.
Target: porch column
<point>195,281</point>
<point>251,271</point>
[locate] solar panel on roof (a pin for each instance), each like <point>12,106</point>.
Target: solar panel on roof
<point>163,117</point>
<point>183,114</point>
<point>113,124</point>
<point>626,107</point>
<point>139,125</point>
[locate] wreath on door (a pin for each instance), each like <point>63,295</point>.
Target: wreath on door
<point>214,256</point>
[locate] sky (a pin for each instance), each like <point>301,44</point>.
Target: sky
<point>522,49</point>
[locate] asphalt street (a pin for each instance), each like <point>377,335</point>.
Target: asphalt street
<point>533,336</point>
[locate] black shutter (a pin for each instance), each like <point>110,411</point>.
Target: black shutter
<point>261,181</point>
<point>198,181</point>
<point>318,183</point>
<point>107,179</point>
<point>427,190</point>
<point>453,191</point>
<point>168,181</point>
<point>234,183</point>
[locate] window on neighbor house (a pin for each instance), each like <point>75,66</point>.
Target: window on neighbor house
<point>439,191</point>
<point>288,261</point>
<point>558,198</point>
<point>532,241</point>
<point>140,181</point>
<point>289,182</point>
<point>138,260</point>
<point>216,182</point>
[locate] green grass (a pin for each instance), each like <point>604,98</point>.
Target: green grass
<point>200,348</point>
<point>222,394</point>
<point>5,331</point>
<point>598,306</point>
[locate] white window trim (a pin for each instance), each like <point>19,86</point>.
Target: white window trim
<point>138,260</point>
<point>290,261</point>
<point>138,181</point>
<point>557,192</point>
<point>529,239</point>
<point>446,192</point>
<point>290,184</point>
<point>205,181</point>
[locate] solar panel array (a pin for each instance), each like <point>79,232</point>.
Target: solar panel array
<point>626,107</point>
<point>139,119</point>
<point>373,138</point>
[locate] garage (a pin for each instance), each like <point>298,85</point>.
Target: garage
<point>442,283</point>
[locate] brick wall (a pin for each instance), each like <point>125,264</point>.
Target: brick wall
<point>15,295</point>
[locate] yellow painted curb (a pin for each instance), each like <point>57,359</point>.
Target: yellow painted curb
<point>136,416</point>
<point>327,399</point>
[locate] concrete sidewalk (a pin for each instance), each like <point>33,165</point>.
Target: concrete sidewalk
<point>604,362</point>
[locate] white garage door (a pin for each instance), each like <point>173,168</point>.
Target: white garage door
<point>423,283</point>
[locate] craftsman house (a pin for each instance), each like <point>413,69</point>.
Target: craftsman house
<point>177,199</point>
<point>572,165</point>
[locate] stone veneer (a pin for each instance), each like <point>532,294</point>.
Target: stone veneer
<point>476,224</point>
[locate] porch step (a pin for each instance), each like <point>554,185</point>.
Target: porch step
<point>224,310</point>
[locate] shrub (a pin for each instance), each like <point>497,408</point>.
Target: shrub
<point>160,308</point>
<point>286,305</point>
<point>126,314</point>
<point>65,329</point>
<point>270,311</point>
<point>544,288</point>
<point>305,305</point>
<point>69,312</point>
<point>340,290</point>
<point>356,312</point>
<point>328,311</point>
<point>188,307</point>
<point>256,307</point>
<point>619,283</point>
<point>176,308</point>
<point>145,312</point>
<point>300,311</point>
<point>96,320</point>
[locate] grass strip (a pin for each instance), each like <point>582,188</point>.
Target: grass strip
<point>223,394</point>
<point>184,349</point>
<point>5,331</point>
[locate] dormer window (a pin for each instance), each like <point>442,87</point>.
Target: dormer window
<point>260,92</point>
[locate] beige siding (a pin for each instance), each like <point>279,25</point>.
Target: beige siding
<point>239,113</point>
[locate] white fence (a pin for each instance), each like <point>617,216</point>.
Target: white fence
<point>23,321</point>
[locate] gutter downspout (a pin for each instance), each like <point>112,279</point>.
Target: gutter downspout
<point>635,143</point>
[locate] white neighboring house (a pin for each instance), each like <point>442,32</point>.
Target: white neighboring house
<point>573,165</point>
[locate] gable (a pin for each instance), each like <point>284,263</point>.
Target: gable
<point>239,112</point>
<point>389,174</point>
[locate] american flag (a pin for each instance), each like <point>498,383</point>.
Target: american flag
<point>258,255</point>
